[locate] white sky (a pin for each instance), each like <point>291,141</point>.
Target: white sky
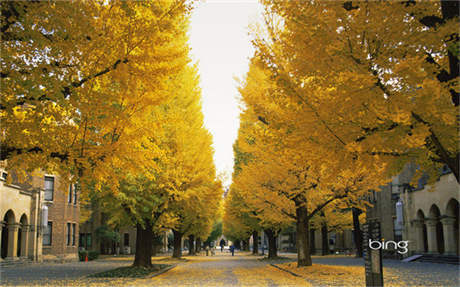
<point>221,45</point>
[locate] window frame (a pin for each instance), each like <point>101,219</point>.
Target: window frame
<point>69,196</point>
<point>68,233</point>
<point>49,190</point>
<point>75,195</point>
<point>49,233</point>
<point>74,229</point>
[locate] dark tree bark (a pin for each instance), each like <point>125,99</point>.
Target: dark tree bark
<point>303,248</point>
<point>191,245</point>
<point>272,250</point>
<point>255,245</point>
<point>357,234</point>
<point>144,242</point>
<point>450,10</point>
<point>177,251</point>
<point>198,245</point>
<point>324,240</point>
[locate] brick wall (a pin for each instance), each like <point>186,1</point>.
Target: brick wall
<point>61,212</point>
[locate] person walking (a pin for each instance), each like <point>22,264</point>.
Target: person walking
<point>232,249</point>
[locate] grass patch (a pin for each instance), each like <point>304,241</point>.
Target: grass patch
<point>130,271</point>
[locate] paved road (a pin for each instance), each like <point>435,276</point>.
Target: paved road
<point>42,272</point>
<point>225,270</point>
<point>221,270</point>
<point>397,273</point>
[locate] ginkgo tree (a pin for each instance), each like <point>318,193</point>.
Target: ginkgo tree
<point>102,92</point>
<point>292,175</point>
<point>177,187</point>
<point>349,100</point>
<point>381,77</point>
<point>187,169</point>
<point>78,78</point>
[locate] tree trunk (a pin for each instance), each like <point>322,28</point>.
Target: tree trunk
<point>191,245</point>
<point>198,245</point>
<point>450,10</point>
<point>255,245</point>
<point>357,234</point>
<point>272,252</point>
<point>324,241</point>
<point>144,242</point>
<point>303,248</point>
<point>177,251</point>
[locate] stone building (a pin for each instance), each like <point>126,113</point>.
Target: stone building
<point>428,216</point>
<point>338,241</point>
<point>91,237</point>
<point>20,236</point>
<point>39,218</point>
<point>432,217</point>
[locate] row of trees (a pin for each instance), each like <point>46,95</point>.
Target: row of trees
<point>338,97</point>
<point>104,93</point>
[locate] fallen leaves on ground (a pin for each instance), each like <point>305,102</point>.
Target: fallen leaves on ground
<point>267,276</point>
<point>180,276</point>
<point>328,275</point>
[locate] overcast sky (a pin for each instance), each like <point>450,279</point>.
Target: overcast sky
<point>221,45</point>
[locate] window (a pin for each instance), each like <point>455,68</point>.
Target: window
<point>397,230</point>
<point>68,233</point>
<point>126,239</point>
<point>48,234</point>
<point>69,197</point>
<point>74,195</point>
<point>49,188</point>
<point>74,228</point>
<point>88,240</point>
<point>85,240</point>
<point>81,240</point>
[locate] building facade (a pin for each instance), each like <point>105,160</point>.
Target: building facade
<point>432,217</point>
<point>40,217</point>
<point>96,235</point>
<point>427,216</point>
<point>60,236</point>
<point>20,236</point>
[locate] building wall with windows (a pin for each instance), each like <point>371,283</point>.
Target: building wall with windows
<point>92,239</point>
<point>60,238</point>
<point>27,231</point>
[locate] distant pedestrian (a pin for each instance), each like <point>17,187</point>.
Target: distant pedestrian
<point>232,249</point>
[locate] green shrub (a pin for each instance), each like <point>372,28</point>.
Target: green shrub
<point>91,255</point>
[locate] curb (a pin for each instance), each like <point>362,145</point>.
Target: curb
<point>285,270</point>
<point>162,271</point>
